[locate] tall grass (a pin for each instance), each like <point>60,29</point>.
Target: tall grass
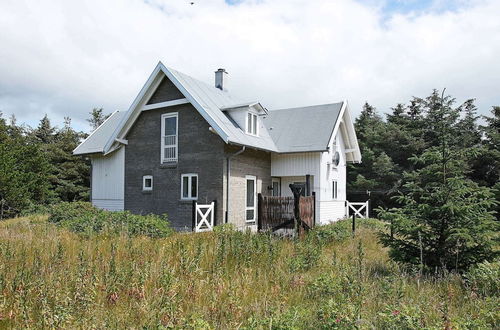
<point>51,277</point>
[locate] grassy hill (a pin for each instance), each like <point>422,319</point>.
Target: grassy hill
<point>51,277</point>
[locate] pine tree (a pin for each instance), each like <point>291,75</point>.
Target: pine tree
<point>24,171</point>
<point>97,118</point>
<point>445,219</point>
<point>44,133</point>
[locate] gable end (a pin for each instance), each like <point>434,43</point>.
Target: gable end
<point>166,91</point>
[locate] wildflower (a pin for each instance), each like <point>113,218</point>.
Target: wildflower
<point>337,320</point>
<point>395,312</point>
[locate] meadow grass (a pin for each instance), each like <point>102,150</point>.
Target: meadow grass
<point>53,278</point>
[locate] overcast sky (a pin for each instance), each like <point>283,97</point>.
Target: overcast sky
<point>62,58</point>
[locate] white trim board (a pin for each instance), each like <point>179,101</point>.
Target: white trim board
<point>165,104</point>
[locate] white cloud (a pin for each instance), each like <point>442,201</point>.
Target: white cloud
<point>65,57</point>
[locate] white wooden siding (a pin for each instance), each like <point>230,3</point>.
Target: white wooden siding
<point>330,211</point>
<point>109,204</point>
<point>295,164</point>
<point>108,175</point>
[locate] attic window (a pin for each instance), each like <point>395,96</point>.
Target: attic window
<point>252,123</point>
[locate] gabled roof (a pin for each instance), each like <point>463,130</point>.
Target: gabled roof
<point>303,129</point>
<point>207,99</point>
<point>97,140</point>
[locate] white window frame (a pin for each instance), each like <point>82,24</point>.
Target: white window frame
<point>254,208</point>
<point>162,137</point>
<point>144,178</point>
<point>190,180</point>
<point>254,120</point>
<point>335,190</point>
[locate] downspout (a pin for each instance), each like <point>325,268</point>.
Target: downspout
<point>228,160</point>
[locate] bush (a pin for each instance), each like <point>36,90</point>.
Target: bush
<point>341,230</point>
<point>337,231</point>
<point>306,255</point>
<point>484,278</point>
<point>66,210</point>
<point>82,217</point>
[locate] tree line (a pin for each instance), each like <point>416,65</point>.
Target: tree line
<point>37,166</point>
<point>432,172</point>
<point>389,145</point>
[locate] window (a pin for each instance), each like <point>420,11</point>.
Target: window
<point>169,134</point>
<point>189,186</point>
<point>334,189</point>
<point>252,123</point>
<point>276,187</point>
<point>147,182</point>
<point>251,198</point>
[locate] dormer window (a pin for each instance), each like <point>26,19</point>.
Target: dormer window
<point>252,123</point>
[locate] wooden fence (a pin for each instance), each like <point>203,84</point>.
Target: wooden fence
<point>279,212</point>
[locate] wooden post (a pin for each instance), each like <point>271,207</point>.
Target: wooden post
<point>296,205</point>
<point>314,207</point>
<point>308,185</point>
<point>215,212</point>
<point>353,224</point>
<point>194,215</point>
<point>392,230</point>
<point>259,211</point>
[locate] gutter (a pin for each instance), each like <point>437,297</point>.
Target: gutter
<point>228,163</point>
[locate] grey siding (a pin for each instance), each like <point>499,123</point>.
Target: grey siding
<point>200,151</point>
<point>251,162</point>
<point>166,91</point>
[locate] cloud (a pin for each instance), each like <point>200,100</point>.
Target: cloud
<point>64,57</point>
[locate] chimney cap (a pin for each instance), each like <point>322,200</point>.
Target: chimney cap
<point>221,70</point>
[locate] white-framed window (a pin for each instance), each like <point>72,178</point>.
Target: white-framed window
<point>147,183</point>
<point>169,137</point>
<point>251,198</point>
<point>334,189</point>
<point>252,123</point>
<point>189,186</point>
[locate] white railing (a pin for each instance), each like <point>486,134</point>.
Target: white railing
<point>170,148</point>
<point>204,217</point>
<point>359,209</point>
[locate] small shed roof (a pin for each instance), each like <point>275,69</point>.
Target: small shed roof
<point>303,129</point>
<point>96,141</point>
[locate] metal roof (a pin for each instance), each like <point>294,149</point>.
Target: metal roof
<point>303,129</point>
<point>96,141</point>
<point>212,100</point>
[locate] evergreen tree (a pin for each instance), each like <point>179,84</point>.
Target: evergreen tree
<point>44,133</point>
<point>97,117</point>
<point>24,171</point>
<point>69,174</point>
<point>445,220</point>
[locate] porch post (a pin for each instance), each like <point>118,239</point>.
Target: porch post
<point>308,185</point>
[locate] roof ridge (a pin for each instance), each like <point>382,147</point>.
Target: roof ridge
<point>308,106</point>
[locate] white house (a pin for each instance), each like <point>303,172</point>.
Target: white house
<point>183,140</point>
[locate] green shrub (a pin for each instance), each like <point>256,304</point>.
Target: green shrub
<point>71,210</point>
<point>400,317</point>
<point>35,209</point>
<point>484,278</point>
<point>342,229</point>
<point>306,255</point>
<point>82,217</point>
<point>337,231</point>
